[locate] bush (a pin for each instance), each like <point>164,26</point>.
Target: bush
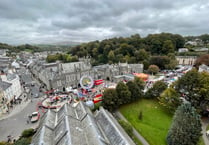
<point>127,127</point>
<point>23,141</point>
<point>5,143</point>
<point>28,132</point>
<point>140,115</point>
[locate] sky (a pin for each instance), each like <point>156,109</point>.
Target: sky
<point>54,21</point>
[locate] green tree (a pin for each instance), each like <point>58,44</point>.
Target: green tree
<point>170,99</point>
<point>28,132</point>
<point>186,126</point>
<point>188,86</point>
<point>153,69</point>
<point>123,93</point>
<point>111,56</point>
<point>136,93</point>
<point>141,55</point>
<point>160,61</point>
<point>51,58</point>
<point>110,100</point>
<point>172,61</point>
<point>139,83</point>
<point>23,141</point>
<point>156,90</point>
<point>168,47</point>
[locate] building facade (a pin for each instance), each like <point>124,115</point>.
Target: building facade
<point>186,60</point>
<point>62,75</point>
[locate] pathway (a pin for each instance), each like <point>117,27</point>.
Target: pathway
<point>205,122</point>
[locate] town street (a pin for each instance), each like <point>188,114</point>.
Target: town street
<point>15,124</point>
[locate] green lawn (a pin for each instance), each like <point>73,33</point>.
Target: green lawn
<point>155,121</point>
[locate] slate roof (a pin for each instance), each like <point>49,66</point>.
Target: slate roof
<point>76,125</point>
<point>4,85</point>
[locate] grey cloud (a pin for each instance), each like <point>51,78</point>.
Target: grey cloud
<point>45,21</point>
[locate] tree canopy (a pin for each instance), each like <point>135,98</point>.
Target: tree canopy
<point>132,49</point>
<point>123,93</point>
<point>156,90</point>
<point>186,126</point>
<point>110,101</point>
<point>193,86</point>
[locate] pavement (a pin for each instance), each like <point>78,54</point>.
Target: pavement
<point>16,109</point>
<point>205,122</point>
<point>136,133</point>
<point>16,121</point>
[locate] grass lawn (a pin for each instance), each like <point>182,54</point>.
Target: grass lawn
<point>155,121</point>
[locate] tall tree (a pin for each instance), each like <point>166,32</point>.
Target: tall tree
<point>188,86</point>
<point>123,93</point>
<point>156,90</point>
<point>139,83</point>
<point>110,100</point>
<point>170,99</point>
<point>136,93</point>
<point>111,56</point>
<point>186,126</point>
<point>141,55</point>
<point>167,47</point>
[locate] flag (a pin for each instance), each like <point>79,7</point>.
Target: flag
<point>98,96</point>
<point>96,101</point>
<point>98,82</point>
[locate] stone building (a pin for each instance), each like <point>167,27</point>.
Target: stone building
<point>186,60</point>
<point>60,75</point>
<point>110,71</point>
<point>76,125</point>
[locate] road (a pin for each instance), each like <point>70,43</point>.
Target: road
<point>15,124</point>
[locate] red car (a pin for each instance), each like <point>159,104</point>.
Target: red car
<point>35,117</point>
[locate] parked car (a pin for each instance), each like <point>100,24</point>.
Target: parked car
<point>35,117</point>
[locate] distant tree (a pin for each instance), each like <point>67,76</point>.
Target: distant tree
<point>51,58</point>
<point>179,41</point>
<point>141,55</point>
<point>123,93</point>
<point>170,99</point>
<point>186,126</point>
<point>204,38</point>
<point>172,61</point>
<point>111,56</point>
<point>160,61</point>
<point>156,90</point>
<point>203,59</point>
<point>153,69</point>
<point>168,47</point>
<point>110,100</point>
